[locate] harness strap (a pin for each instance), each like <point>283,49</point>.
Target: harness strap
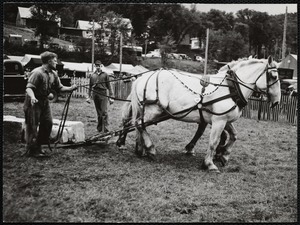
<point>145,101</point>
<point>239,97</point>
<point>219,99</point>
<point>218,114</point>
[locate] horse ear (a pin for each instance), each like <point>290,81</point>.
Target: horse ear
<point>270,60</point>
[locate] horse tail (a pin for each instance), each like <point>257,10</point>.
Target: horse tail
<point>135,104</point>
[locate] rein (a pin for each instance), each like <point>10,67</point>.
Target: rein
<point>110,81</point>
<point>239,81</point>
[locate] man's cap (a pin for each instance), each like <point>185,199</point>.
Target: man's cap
<point>98,62</point>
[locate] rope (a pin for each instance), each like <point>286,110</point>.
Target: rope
<point>110,81</point>
<point>119,99</point>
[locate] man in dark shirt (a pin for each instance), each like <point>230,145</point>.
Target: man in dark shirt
<point>99,84</point>
<point>38,118</point>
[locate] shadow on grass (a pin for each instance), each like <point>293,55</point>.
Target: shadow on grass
<point>175,159</point>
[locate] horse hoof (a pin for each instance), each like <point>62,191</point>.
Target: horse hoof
<point>214,170</point>
<point>190,154</point>
<point>223,161</point>
<point>152,157</point>
<point>122,147</point>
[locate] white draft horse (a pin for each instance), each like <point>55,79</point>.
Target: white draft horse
<point>166,94</point>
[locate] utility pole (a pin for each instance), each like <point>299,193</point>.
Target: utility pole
<point>206,51</point>
<point>284,35</point>
<point>146,42</point>
<point>93,46</point>
<point>121,44</point>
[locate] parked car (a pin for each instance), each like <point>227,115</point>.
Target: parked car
<point>180,56</point>
<point>15,80</point>
<point>153,54</point>
<point>198,58</point>
<point>288,85</point>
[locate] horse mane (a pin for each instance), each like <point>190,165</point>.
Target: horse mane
<point>234,65</point>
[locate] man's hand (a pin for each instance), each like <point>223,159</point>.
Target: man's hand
<point>88,100</point>
<point>111,101</point>
<point>74,87</point>
<point>33,101</point>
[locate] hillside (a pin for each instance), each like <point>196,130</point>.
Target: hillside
<point>29,34</point>
<point>25,32</point>
<point>183,65</point>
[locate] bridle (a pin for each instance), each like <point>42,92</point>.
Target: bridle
<point>267,70</point>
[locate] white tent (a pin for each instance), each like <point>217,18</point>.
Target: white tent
<point>84,67</point>
<point>28,57</point>
<point>116,67</point>
<point>104,69</point>
<point>79,67</point>
<point>138,70</point>
<point>17,58</point>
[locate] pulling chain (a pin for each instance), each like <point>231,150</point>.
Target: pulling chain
<point>196,93</point>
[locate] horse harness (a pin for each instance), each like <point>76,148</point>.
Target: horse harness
<point>234,89</point>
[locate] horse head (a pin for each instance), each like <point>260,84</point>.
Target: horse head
<point>268,82</point>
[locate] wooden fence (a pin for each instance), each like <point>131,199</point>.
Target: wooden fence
<point>287,111</point>
<point>121,88</point>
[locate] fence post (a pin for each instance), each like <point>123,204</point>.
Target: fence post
<point>259,107</point>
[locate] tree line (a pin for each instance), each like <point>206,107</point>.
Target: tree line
<point>231,35</point>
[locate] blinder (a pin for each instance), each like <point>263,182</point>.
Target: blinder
<point>268,78</point>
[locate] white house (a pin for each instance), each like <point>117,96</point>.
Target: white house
<point>290,63</point>
<point>87,28</point>
<point>24,18</point>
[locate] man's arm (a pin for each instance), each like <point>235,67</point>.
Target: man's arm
<point>91,85</point>
<point>66,89</point>
<point>109,87</point>
<point>63,88</point>
<point>110,90</point>
<point>33,82</point>
<point>30,93</point>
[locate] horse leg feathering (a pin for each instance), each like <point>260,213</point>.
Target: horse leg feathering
<point>215,136</point>
<point>144,145</point>
<point>126,122</point>
<point>223,152</point>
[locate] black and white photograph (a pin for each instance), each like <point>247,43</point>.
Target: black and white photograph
<point>117,112</point>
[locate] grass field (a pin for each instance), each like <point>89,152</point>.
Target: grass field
<point>100,183</point>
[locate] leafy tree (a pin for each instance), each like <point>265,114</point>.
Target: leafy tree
<point>83,11</point>
<point>67,19</point>
<point>227,46</point>
<point>220,20</point>
<point>243,29</point>
<point>111,26</point>
<point>166,46</point>
<point>259,29</point>
<point>45,16</point>
<point>137,13</point>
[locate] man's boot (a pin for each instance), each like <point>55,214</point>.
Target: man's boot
<point>35,151</point>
